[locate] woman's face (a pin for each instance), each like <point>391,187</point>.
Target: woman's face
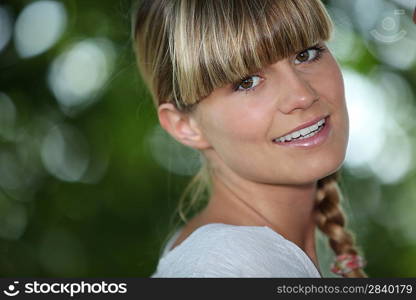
<point>241,121</point>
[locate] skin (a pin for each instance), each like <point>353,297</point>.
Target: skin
<point>257,182</point>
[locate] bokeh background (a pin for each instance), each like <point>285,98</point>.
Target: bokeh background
<point>89,182</point>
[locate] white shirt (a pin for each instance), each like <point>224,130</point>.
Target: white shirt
<point>223,250</point>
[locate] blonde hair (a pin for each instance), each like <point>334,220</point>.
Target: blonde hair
<point>187,48</point>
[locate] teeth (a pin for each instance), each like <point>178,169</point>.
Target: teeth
<point>303,133</point>
<point>296,134</point>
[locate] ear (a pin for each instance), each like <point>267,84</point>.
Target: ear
<point>181,126</point>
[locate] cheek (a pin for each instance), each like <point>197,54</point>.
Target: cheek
<point>330,83</point>
<point>332,90</point>
<point>237,135</point>
<point>244,124</point>
<point>330,86</point>
<point>337,100</point>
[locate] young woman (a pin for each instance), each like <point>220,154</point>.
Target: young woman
<point>251,85</point>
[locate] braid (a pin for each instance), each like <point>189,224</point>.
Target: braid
<point>331,220</point>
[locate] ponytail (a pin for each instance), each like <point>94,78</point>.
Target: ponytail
<point>331,220</point>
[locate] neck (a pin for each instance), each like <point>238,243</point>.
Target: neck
<point>287,209</point>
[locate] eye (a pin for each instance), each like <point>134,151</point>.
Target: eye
<point>309,55</point>
<point>248,83</point>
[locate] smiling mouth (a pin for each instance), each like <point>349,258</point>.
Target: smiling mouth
<point>302,133</point>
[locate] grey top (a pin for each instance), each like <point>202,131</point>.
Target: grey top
<point>223,250</point>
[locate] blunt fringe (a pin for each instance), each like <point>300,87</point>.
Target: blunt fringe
<point>186,49</point>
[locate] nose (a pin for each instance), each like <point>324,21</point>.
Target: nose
<point>295,91</point>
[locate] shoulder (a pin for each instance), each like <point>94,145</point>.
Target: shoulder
<point>220,250</point>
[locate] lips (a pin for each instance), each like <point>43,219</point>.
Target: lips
<point>310,140</point>
<point>304,125</point>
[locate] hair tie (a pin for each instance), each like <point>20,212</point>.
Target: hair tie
<point>345,263</point>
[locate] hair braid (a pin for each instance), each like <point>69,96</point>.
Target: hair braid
<point>331,220</point>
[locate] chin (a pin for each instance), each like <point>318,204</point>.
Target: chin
<point>329,167</point>
<point>314,172</point>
